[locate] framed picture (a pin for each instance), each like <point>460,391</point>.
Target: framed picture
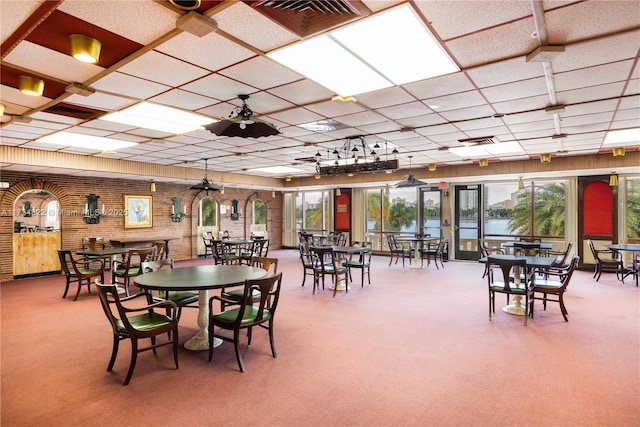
<point>139,211</point>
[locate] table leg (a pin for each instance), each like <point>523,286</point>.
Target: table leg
<point>416,255</point>
<point>516,307</point>
<point>200,341</point>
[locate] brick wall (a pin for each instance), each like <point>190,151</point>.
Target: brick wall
<point>72,193</point>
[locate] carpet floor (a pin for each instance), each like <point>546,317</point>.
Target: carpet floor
<point>414,348</point>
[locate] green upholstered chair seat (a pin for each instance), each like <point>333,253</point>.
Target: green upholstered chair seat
<point>133,271</point>
<point>609,260</point>
<point>236,294</point>
<point>549,284</point>
<point>179,297</point>
<point>515,289</point>
<point>144,322</point>
<point>250,314</point>
<point>86,272</point>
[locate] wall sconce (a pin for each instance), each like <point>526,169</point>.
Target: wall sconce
<point>235,215</point>
<point>338,192</point>
<point>221,190</point>
<point>31,85</point>
<point>176,210</point>
<point>287,178</point>
<point>2,107</point>
<point>613,180</point>
<point>91,213</point>
<point>273,194</point>
<point>152,187</point>
<point>26,209</point>
<point>317,175</point>
<point>483,163</point>
<point>618,152</point>
<point>545,158</point>
<point>85,48</point>
<point>520,184</point>
<point>432,167</point>
<point>387,189</point>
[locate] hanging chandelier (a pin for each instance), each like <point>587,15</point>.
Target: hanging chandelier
<point>410,180</point>
<point>356,156</point>
<point>205,184</point>
<point>242,123</point>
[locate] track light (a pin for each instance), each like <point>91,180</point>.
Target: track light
<point>31,85</point>
<point>85,48</point>
<point>545,158</point>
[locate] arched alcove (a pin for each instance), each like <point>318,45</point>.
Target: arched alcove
<point>13,260</point>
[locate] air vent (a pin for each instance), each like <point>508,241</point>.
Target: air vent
<point>335,7</point>
<point>485,140</point>
<point>75,111</point>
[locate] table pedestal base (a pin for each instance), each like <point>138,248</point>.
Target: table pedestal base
<point>516,308</point>
<point>200,341</point>
<point>197,343</point>
<point>341,285</point>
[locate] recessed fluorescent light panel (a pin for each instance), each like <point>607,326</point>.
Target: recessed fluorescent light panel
<point>98,143</point>
<point>390,48</point>
<point>158,117</point>
<point>625,136</point>
<point>277,170</point>
<point>481,151</point>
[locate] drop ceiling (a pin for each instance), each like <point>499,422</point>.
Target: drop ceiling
<point>147,55</point>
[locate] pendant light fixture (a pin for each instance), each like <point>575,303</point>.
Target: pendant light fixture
<point>410,180</point>
<point>205,184</point>
<point>242,123</point>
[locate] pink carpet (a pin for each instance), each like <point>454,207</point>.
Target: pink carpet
<point>415,348</point>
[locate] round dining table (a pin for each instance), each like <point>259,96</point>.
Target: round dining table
<point>201,278</point>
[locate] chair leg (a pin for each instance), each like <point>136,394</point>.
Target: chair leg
<point>271,340</point>
<point>210,343</point>
<point>66,288</point>
<point>132,365</point>
<point>79,287</point>
<point>563,309</point>
<point>175,346</point>
<point>114,352</point>
<point>236,343</point>
<point>490,305</point>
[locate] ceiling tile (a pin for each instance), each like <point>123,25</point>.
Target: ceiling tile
<point>163,69</point>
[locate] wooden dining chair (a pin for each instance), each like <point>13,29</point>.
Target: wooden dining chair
<point>307,261</point>
<point>362,263</point>
<point>485,251</point>
<point>398,249</point>
<point>75,272</point>
<point>247,315</point>
<point>137,323</point>
<point>270,265</point>
<point>606,260</point>
<point>435,253</point>
<point>499,281</point>
<point>123,271</point>
<point>554,281</point>
<point>326,263</point>
<point>182,299</point>
<point>207,240</point>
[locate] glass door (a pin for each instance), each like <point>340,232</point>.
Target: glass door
<point>467,221</point>
<point>431,211</point>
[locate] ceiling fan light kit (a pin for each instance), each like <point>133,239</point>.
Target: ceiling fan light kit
<point>243,124</point>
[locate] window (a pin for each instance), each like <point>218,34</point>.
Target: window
<point>390,210</point>
<point>536,210</point>
<point>259,212</point>
<point>312,210</point>
<point>208,215</point>
<point>633,209</point>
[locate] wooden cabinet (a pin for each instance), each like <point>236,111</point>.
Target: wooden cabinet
<point>35,252</point>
